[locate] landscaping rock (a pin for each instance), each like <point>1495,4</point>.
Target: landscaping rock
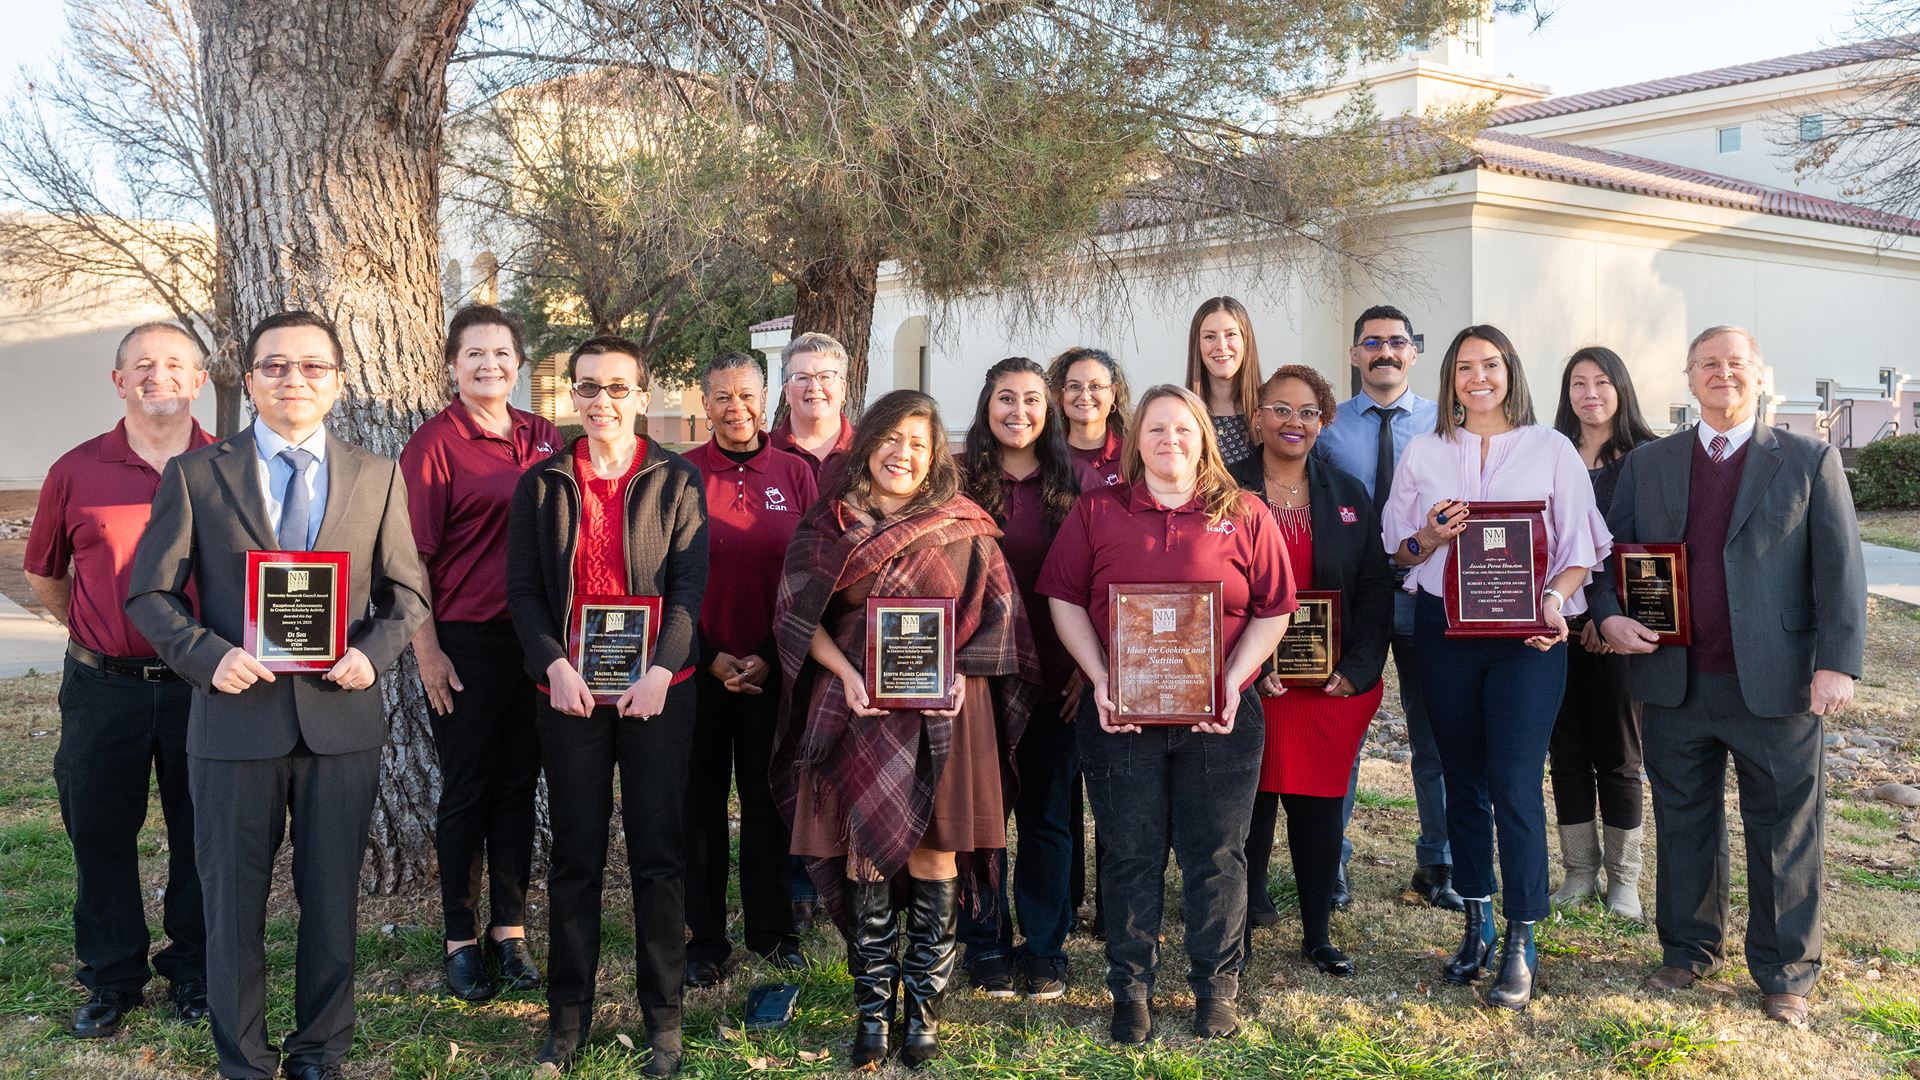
<point>1898,794</point>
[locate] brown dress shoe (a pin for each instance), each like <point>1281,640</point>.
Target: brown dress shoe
<point>1784,1008</point>
<point>1670,978</point>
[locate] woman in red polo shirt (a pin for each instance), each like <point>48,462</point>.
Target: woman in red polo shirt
<point>1091,392</point>
<point>871,792</point>
<point>1180,518</point>
<point>612,515</point>
<point>460,468</point>
<point>755,496</point>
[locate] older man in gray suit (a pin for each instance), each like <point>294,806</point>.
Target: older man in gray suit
<point>1777,595</point>
<point>263,746</point>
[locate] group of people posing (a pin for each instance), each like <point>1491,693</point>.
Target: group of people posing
<point>763,546</point>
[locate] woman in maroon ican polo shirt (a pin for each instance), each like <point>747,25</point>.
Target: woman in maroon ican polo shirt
<point>460,468</point>
<point>872,792</point>
<point>1091,392</point>
<point>755,496</point>
<point>1180,518</point>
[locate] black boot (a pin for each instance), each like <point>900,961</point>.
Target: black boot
<point>1513,987</point>
<point>1434,884</point>
<point>467,975</point>
<point>872,937</point>
<point>1476,945</point>
<point>932,951</point>
<point>567,1031</point>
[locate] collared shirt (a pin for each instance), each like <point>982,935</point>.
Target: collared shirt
<point>275,472</point>
<point>782,439</point>
<point>1352,441</point>
<point>93,507</point>
<point>460,479</point>
<point>1737,435</point>
<point>753,508</point>
<point>1122,534</point>
<point>1025,541</point>
<point>1104,460</point>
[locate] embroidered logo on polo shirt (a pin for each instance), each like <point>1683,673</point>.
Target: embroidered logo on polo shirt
<point>1225,528</point>
<point>776,499</point>
<point>1348,517</point>
<point>545,448</point>
<point>1113,479</point>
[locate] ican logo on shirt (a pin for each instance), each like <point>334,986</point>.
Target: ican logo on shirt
<point>776,499</point>
<point>1225,528</point>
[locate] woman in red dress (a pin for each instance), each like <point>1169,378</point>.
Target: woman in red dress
<point>1327,525</point>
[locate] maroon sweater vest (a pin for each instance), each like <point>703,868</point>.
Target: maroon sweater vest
<point>1711,491</point>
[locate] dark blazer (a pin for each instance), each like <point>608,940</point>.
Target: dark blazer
<point>1346,556</point>
<point>666,553</point>
<point>1796,582</point>
<point>207,515</point>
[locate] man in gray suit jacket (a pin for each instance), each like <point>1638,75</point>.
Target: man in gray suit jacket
<point>1777,596</point>
<point>262,746</point>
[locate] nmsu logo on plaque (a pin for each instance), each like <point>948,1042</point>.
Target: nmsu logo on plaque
<point>1163,620</point>
<point>616,621</point>
<point>1494,538</point>
<point>297,580</point>
<point>910,624</point>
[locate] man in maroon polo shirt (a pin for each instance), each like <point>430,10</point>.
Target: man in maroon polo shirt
<point>814,369</point>
<point>122,712</point>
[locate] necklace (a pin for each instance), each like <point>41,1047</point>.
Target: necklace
<point>1292,489</point>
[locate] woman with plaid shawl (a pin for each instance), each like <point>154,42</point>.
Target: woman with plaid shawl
<point>871,792</point>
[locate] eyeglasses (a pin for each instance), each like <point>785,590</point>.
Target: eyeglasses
<point>1394,342</point>
<point>312,370</point>
<point>591,390</point>
<point>1095,389</point>
<point>1284,413</point>
<point>1729,367</point>
<point>825,380</point>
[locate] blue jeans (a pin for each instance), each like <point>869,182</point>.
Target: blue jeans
<point>1493,702</point>
<point>1043,857</point>
<point>1172,788</point>
<point>1429,781</point>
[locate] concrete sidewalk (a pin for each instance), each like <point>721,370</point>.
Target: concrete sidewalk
<point>1893,573</point>
<point>28,642</point>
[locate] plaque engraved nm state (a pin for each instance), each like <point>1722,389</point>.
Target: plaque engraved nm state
<point>910,652</point>
<point>610,642</point>
<point>296,617</point>
<point>1496,570</point>
<point>1651,580</point>
<point>1164,660</point>
<point>1307,654</point>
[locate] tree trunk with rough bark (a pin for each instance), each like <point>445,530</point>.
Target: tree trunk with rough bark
<point>325,125</point>
<point>835,296</point>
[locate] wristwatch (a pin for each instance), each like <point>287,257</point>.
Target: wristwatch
<point>1557,595</point>
<point>1413,545</point>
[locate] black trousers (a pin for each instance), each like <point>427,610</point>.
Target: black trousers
<point>489,768</point>
<point>116,732</point>
<point>1776,762</point>
<point>244,808</point>
<point>580,754</point>
<point>1314,825</point>
<point>733,743</point>
<point>1594,756</point>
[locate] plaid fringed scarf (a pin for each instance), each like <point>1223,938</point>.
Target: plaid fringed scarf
<point>883,770</point>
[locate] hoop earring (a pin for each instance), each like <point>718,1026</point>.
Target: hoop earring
<point>1459,414</point>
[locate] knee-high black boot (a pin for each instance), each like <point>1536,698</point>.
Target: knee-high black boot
<point>872,940</point>
<point>1476,945</point>
<point>932,915</point>
<point>1513,987</point>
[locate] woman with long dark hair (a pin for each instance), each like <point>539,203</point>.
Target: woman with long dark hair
<point>1018,468</point>
<point>1090,390</point>
<point>1492,699</point>
<point>1594,757</point>
<point>872,792</point>
<point>1223,367</point>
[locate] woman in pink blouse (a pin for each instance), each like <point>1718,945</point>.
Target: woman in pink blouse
<point>1493,700</point>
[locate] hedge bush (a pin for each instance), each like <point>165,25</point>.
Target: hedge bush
<point>1888,474</point>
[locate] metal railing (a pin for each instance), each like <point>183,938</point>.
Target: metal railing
<point>1838,424</point>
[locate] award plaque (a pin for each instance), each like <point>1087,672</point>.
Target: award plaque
<point>1496,570</point>
<point>296,617</point>
<point>1652,583</point>
<point>910,652</point>
<point>610,642</point>
<point>1163,656</point>
<point>1311,647</point>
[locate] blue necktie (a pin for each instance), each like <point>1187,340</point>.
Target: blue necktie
<point>296,502</point>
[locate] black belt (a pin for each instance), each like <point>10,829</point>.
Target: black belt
<point>150,668</point>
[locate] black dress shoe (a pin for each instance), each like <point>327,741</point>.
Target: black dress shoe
<point>1215,1018</point>
<point>786,958</point>
<point>702,973</point>
<point>189,1000</point>
<point>1434,884</point>
<point>1132,1023</point>
<point>312,1071</point>
<point>1330,960</point>
<point>663,1058</point>
<point>560,1047</point>
<point>101,1016</point>
<point>515,963</point>
<point>1342,892</point>
<point>467,975</point>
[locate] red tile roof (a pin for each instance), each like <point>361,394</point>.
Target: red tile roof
<point>784,322</point>
<point>1524,155</point>
<point>1796,64</point>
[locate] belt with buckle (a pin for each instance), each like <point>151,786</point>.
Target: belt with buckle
<point>149,668</point>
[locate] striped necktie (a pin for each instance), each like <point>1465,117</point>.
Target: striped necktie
<point>1717,448</point>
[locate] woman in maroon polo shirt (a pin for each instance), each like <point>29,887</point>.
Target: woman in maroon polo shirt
<point>755,496</point>
<point>460,468</point>
<point>1223,367</point>
<point>612,515</point>
<point>1180,518</point>
<point>1018,469</point>
<point>871,792</point>
<point>1091,392</point>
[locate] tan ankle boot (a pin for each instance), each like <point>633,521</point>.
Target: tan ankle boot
<point>1580,854</point>
<point>1623,872</point>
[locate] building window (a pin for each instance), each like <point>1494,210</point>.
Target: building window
<point>1678,415</point>
<point>1823,389</point>
<point>1812,127</point>
<point>1730,140</point>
